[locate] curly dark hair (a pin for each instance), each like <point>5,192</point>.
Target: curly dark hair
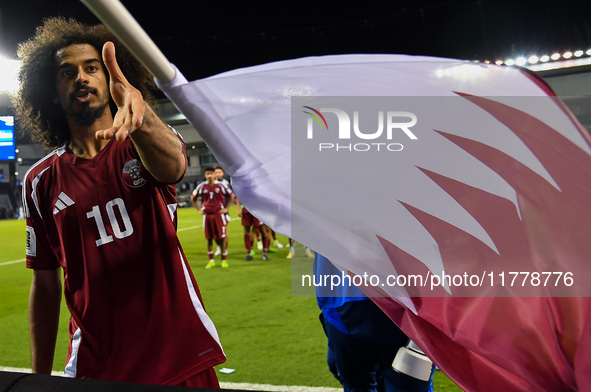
<point>33,102</point>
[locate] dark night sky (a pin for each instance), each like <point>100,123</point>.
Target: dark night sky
<point>204,38</point>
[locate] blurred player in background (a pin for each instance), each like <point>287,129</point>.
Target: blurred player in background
<point>214,208</point>
<point>220,176</point>
<point>250,221</point>
<point>104,210</point>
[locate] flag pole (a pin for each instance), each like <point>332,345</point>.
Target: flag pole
<point>227,147</point>
<point>117,18</point>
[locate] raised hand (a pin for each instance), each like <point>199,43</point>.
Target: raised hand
<point>129,101</point>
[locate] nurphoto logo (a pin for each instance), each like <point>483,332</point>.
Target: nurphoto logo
<point>393,124</point>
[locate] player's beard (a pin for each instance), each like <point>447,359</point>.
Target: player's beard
<point>88,115</point>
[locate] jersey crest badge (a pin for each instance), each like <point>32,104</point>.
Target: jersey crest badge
<point>133,173</point>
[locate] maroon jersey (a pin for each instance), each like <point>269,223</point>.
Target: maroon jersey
<point>137,314</point>
<point>213,197</point>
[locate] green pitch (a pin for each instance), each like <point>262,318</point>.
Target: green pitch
<point>268,336</point>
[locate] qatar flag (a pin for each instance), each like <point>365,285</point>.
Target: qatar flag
<point>488,204</point>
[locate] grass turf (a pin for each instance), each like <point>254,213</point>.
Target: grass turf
<point>269,336</point>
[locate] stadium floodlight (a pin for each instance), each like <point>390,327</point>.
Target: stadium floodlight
<point>533,59</point>
<point>8,74</point>
<point>544,58</point>
<point>499,62</point>
<point>510,62</point>
<point>579,53</point>
<point>521,61</point>
<point>567,55</point>
<point>459,71</point>
<point>588,52</point>
<point>555,56</point>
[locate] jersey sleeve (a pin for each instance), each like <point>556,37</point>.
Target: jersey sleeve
<point>197,192</point>
<point>39,252</point>
<point>228,189</point>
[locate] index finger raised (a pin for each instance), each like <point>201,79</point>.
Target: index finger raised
<point>110,61</point>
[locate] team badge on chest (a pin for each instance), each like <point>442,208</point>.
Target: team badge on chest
<point>133,174</point>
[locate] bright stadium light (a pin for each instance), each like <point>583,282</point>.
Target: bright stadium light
<point>535,60</point>
<point>8,72</point>
<point>461,71</point>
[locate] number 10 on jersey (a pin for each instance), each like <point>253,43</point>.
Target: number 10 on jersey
<point>110,207</point>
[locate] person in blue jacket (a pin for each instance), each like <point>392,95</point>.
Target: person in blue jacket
<point>362,340</point>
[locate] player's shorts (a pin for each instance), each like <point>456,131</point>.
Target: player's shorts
<point>214,226</point>
<point>249,220</point>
